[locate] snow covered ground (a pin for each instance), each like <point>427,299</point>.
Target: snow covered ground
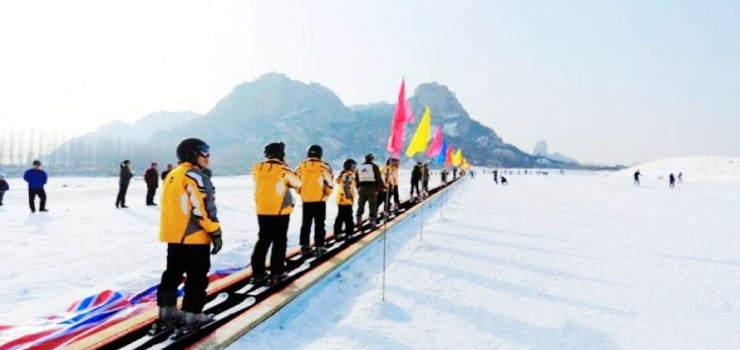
<point>694,169</point>
<point>558,262</point>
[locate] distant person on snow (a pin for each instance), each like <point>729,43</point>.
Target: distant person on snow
<point>274,204</point>
<point>671,181</point>
<point>637,177</point>
<point>345,197</point>
<point>680,177</point>
<point>164,173</point>
<point>503,181</point>
<point>124,178</point>
<point>425,180</point>
<point>36,179</point>
<point>443,176</point>
<point>317,183</point>
<point>495,176</point>
<point>151,177</point>
<point>189,228</point>
<point>416,174</point>
<point>3,187</point>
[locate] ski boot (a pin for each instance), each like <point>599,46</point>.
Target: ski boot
<point>320,251</point>
<point>277,278</point>
<point>168,316</point>
<point>259,279</point>
<point>305,250</point>
<point>191,322</point>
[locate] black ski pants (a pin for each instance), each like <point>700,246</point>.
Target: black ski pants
<point>415,186</point>
<point>193,260</point>
<point>313,212</point>
<point>273,232</point>
<point>367,195</point>
<point>32,197</point>
<point>122,189</point>
<point>2,194</point>
<point>389,193</point>
<point>344,218</point>
<point>150,191</point>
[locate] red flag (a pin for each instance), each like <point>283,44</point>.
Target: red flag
<point>402,116</point>
<point>448,156</point>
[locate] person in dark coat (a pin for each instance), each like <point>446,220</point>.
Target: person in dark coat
<point>637,178</point>
<point>152,182</point>
<point>671,181</point>
<point>123,181</point>
<point>36,179</point>
<point>164,173</point>
<point>3,187</point>
<point>369,184</point>
<point>495,176</point>
<point>425,180</point>
<point>415,178</point>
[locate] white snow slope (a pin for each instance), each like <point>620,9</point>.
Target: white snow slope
<point>558,262</point>
<point>694,169</point>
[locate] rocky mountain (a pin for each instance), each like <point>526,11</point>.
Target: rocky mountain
<point>274,107</point>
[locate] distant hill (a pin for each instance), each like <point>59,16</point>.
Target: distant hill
<point>274,107</point>
<point>694,169</point>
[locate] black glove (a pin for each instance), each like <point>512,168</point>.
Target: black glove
<point>217,242</point>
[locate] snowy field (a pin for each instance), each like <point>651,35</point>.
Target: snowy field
<point>84,245</point>
<point>559,262</point>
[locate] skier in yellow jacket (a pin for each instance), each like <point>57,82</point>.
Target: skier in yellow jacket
<point>345,197</point>
<point>273,181</point>
<point>189,226</point>
<point>389,173</point>
<point>317,183</point>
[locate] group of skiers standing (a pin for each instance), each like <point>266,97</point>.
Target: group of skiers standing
<point>671,179</point>
<point>191,231</point>
<point>36,179</point>
<point>151,177</point>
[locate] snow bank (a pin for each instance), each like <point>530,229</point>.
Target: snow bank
<point>694,169</point>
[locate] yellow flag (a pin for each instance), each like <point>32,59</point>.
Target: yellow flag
<point>421,136</point>
<point>457,158</point>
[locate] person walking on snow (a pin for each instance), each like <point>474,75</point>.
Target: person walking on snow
<point>36,179</point>
<point>189,227</point>
<point>345,197</point>
<point>425,180</point>
<point>3,187</point>
<point>274,204</point>
<point>317,183</point>
<point>637,178</point>
<point>124,178</point>
<point>671,181</point>
<point>151,177</point>
<point>369,183</point>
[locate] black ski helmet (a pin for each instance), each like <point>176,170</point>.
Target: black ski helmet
<point>188,150</point>
<point>350,164</point>
<point>314,151</point>
<point>275,150</point>
<point>369,157</point>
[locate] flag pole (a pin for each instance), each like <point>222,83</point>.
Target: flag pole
<point>385,222</point>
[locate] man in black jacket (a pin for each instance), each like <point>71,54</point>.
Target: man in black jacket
<point>152,182</point>
<point>415,178</point>
<point>369,183</point>
<point>124,178</point>
<point>164,173</point>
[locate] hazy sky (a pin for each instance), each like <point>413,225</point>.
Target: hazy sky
<point>604,82</point>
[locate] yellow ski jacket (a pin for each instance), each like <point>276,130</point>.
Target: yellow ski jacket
<point>273,181</point>
<point>317,180</point>
<point>188,207</point>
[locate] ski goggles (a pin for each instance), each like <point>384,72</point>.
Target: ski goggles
<point>204,151</point>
